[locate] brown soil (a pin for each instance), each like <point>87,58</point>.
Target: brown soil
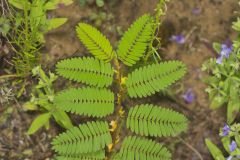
<point>212,24</point>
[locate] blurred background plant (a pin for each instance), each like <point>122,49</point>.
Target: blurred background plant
<point>99,3</point>
<point>24,30</point>
<point>42,100</point>
<point>230,138</point>
<point>224,76</point>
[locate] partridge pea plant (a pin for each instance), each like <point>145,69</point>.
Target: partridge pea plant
<point>231,142</point>
<point>97,101</point>
<point>224,76</point>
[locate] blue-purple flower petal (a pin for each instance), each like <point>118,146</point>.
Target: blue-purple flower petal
<point>189,96</point>
<point>233,146</point>
<point>180,39</point>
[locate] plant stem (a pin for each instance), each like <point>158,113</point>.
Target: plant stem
<point>119,109</point>
<point>8,76</point>
<point>157,24</point>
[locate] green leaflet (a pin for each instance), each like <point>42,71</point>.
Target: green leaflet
<point>99,155</point>
<point>135,41</point>
<point>86,138</point>
<point>150,120</point>
<point>136,148</point>
<point>95,41</point>
<point>156,77</point>
<point>86,101</point>
<point>86,70</point>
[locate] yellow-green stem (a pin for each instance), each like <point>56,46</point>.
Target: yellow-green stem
<point>119,109</point>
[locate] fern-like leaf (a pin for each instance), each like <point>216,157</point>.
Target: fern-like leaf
<point>95,42</point>
<point>150,120</point>
<point>99,155</point>
<point>136,148</point>
<point>86,101</point>
<point>87,70</point>
<point>86,138</point>
<point>150,79</point>
<point>135,41</point>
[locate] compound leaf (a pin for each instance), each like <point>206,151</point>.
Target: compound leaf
<point>135,41</point>
<point>86,138</point>
<point>150,120</point>
<point>148,80</point>
<point>99,155</point>
<point>86,101</point>
<point>95,42</point>
<point>136,148</point>
<point>87,70</point>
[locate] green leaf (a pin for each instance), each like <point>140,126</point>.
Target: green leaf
<point>137,148</point>
<point>20,4</point>
<point>55,23</point>
<point>86,101</point>
<point>232,110</point>
<point>86,138</point>
<point>226,143</point>
<point>100,3</point>
<point>54,4</point>
<point>236,25</point>
<point>39,122</point>
<point>95,42</point>
<point>216,153</point>
<point>62,119</point>
<point>30,106</point>
<point>157,77</point>
<point>134,42</point>
<point>233,104</point>
<point>217,102</point>
<point>99,155</point>
<point>217,47</point>
<point>150,120</point>
<point>86,70</point>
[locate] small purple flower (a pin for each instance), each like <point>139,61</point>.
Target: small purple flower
<point>225,52</point>
<point>229,158</point>
<point>232,146</point>
<point>180,39</point>
<point>189,96</point>
<point>196,11</point>
<point>219,59</point>
<point>225,130</point>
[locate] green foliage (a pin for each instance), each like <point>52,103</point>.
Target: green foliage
<point>86,138</point>
<point>156,77</point>
<point>99,155</point>
<point>150,120</point>
<point>223,78</point>
<point>95,42</point>
<point>4,26</point>
<point>42,99</point>
<point>142,149</point>
<point>86,101</point>
<point>86,70</point>
<point>232,135</point>
<point>98,101</point>
<point>99,3</point>
<point>27,33</point>
<point>134,42</point>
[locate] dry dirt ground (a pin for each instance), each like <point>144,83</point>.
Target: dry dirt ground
<point>212,23</point>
